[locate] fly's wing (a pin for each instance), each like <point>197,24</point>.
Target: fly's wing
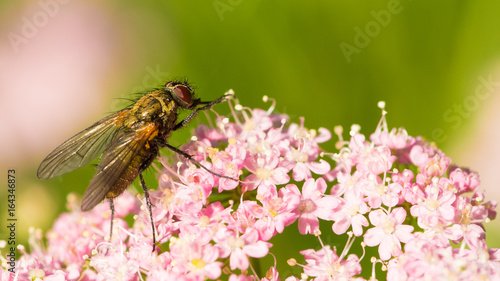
<point>81,148</point>
<point>114,163</point>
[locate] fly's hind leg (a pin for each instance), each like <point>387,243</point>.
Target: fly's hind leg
<point>148,202</point>
<point>112,207</point>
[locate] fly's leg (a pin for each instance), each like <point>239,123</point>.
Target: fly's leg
<point>148,202</point>
<point>112,207</point>
<point>190,158</point>
<point>207,105</point>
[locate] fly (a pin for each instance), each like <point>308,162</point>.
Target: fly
<point>129,141</point>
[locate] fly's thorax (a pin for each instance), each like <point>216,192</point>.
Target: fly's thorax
<point>154,106</point>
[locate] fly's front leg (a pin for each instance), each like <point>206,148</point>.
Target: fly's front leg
<point>190,158</point>
<point>207,105</point>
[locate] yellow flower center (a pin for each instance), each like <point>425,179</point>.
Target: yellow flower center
<point>300,157</point>
<point>381,189</point>
<point>198,263</point>
<point>306,206</point>
<point>388,226</point>
<point>263,173</point>
<point>353,210</point>
<point>235,242</point>
<point>204,221</point>
<point>432,204</point>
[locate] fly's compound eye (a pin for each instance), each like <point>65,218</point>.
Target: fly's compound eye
<point>183,94</point>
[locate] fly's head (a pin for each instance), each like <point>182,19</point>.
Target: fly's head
<point>182,93</point>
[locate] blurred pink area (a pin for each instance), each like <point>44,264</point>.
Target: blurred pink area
<point>51,82</point>
<point>480,149</point>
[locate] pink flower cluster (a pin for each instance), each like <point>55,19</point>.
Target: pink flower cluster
<point>390,190</point>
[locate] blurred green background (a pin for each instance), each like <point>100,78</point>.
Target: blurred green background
<point>64,65</point>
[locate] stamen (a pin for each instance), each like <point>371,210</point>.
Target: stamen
<point>382,124</point>
<point>232,110</point>
<point>381,105</point>
<point>355,128</point>
<point>338,131</point>
<point>210,123</point>
<point>348,245</point>
<point>273,105</point>
<point>230,93</point>
<point>363,246</point>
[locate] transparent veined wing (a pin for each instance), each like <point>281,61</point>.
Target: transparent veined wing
<point>117,160</point>
<point>80,149</point>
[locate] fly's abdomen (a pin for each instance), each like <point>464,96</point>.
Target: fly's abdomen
<point>143,150</point>
<point>126,178</point>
